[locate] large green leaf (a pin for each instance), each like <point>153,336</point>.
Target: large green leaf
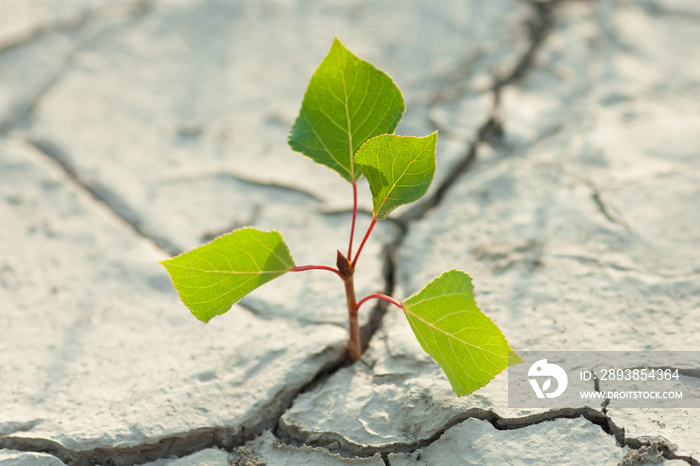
<point>211,278</point>
<point>450,327</point>
<point>399,169</point>
<point>347,102</point>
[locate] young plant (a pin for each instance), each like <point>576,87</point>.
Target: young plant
<point>347,119</point>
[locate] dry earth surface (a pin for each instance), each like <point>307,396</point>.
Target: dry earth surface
<point>568,186</point>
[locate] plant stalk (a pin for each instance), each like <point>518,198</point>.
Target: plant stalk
<point>354,345</point>
<point>347,271</point>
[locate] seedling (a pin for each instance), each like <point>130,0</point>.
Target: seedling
<point>347,119</point>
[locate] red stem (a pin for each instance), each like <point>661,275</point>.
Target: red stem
<point>364,240</point>
<point>354,217</point>
<point>317,267</point>
<point>354,345</point>
<point>379,296</point>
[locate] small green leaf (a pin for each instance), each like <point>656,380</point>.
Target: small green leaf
<point>211,278</point>
<point>347,102</point>
<point>450,327</point>
<point>399,169</point>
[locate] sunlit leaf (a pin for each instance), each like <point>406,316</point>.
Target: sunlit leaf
<point>347,102</point>
<point>399,169</point>
<point>449,326</point>
<point>211,278</point>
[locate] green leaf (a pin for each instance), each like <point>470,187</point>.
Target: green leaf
<point>211,278</point>
<point>450,327</point>
<point>399,169</point>
<point>347,102</point>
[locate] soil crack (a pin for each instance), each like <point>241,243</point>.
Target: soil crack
<point>103,196</point>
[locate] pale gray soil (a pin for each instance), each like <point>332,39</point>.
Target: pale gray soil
<point>568,186</point>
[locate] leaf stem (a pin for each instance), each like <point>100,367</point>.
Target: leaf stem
<point>364,240</point>
<point>317,267</point>
<point>386,298</point>
<point>354,217</point>
<point>354,344</point>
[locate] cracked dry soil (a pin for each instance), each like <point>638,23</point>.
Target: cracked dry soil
<point>562,155</point>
